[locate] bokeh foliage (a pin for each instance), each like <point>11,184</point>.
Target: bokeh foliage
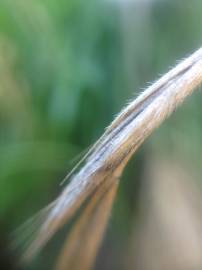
<point>66,68</point>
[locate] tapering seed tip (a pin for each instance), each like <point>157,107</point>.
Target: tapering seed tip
<point>126,133</point>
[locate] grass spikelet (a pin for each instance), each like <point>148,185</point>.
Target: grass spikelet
<point>107,158</point>
<point>85,237</point>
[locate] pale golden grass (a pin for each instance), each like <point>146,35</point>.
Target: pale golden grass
<point>85,237</point>
<point>105,162</point>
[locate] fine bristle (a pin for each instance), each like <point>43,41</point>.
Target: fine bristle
<point>106,159</point>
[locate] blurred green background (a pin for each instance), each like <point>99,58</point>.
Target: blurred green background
<point>66,69</point>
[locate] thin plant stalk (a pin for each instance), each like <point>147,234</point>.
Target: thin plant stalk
<point>83,241</point>
<point>109,155</point>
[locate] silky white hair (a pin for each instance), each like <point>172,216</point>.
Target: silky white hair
<point>107,158</point>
